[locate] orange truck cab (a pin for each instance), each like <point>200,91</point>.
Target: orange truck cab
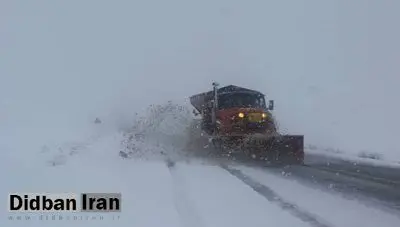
<point>234,111</point>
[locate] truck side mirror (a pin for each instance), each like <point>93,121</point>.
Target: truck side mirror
<point>271,105</point>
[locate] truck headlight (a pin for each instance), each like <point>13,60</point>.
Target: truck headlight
<point>241,115</point>
<point>264,115</point>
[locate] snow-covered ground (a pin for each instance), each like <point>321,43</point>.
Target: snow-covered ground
<point>332,208</point>
<point>189,192</point>
<point>363,157</point>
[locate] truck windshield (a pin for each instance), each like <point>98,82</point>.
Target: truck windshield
<point>242,100</point>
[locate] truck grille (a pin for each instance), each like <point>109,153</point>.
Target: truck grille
<point>254,117</point>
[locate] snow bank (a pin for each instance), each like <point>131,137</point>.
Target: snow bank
<point>366,158</point>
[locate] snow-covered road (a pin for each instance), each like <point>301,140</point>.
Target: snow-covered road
<point>185,192</point>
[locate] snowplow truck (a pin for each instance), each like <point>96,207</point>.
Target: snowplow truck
<point>237,118</point>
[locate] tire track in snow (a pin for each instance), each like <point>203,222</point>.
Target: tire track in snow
<point>273,197</point>
<point>183,204</point>
<point>363,176</point>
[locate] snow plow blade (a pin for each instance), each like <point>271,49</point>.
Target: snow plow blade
<point>284,149</point>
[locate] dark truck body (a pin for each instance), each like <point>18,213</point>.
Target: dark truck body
<point>238,117</point>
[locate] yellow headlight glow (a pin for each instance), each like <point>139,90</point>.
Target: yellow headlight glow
<point>264,115</point>
<point>241,115</point>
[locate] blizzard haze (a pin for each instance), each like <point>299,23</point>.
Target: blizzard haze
<point>331,66</point>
